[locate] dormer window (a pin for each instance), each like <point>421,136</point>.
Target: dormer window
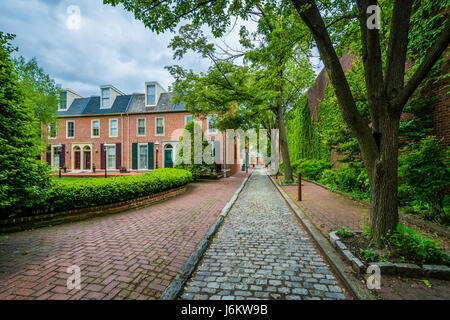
<point>151,94</point>
<point>63,100</point>
<point>105,97</point>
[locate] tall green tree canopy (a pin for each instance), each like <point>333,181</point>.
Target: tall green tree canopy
<point>41,92</point>
<point>23,178</point>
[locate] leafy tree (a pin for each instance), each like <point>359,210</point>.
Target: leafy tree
<point>183,161</point>
<point>23,179</point>
<point>278,74</point>
<point>41,90</point>
<point>387,91</point>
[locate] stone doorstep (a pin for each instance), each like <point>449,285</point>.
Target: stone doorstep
<point>403,269</point>
<point>24,223</point>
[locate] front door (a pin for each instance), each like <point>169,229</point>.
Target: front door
<point>77,160</point>
<point>168,163</point>
<point>87,160</point>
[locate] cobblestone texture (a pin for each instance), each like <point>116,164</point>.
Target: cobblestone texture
<point>130,255</point>
<point>261,252</point>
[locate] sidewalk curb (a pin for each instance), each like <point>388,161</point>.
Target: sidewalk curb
<point>355,287</point>
<point>175,288</point>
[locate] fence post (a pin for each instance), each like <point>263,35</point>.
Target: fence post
<point>299,183</point>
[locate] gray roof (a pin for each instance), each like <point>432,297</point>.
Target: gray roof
<point>76,107</point>
<point>138,104</point>
<point>134,103</point>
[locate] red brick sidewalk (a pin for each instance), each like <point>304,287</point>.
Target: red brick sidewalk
<point>329,211</point>
<point>131,255</point>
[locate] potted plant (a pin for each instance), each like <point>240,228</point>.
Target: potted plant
<point>123,170</point>
<point>93,167</point>
<point>64,168</point>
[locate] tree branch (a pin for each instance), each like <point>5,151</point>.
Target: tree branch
<point>373,65</point>
<point>428,62</point>
<point>398,45</point>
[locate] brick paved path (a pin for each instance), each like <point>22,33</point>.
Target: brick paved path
<point>261,251</point>
<point>130,255</point>
<point>328,211</point>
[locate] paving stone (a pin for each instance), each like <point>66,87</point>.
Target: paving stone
<point>300,291</point>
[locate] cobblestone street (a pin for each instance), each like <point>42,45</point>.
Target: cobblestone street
<point>262,252</point>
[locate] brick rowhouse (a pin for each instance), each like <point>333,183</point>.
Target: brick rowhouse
<point>138,132</point>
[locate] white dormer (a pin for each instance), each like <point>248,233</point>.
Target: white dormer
<point>108,94</point>
<point>66,97</point>
<point>153,91</point>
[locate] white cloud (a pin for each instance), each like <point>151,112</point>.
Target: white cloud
<point>110,47</point>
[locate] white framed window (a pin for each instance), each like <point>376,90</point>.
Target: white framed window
<point>95,128</point>
<point>187,118</point>
<point>52,130</point>
<point>141,127</point>
<point>111,157</point>
<point>105,98</point>
<point>70,129</point>
<point>63,100</point>
<point>143,156</point>
<point>210,120</point>
<point>151,95</point>
<point>113,128</point>
<point>159,126</point>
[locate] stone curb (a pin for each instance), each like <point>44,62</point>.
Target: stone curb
<point>355,287</point>
<point>51,219</point>
<point>175,288</point>
<point>402,269</point>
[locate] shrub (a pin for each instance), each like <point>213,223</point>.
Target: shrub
<point>424,173</point>
<point>412,245</point>
<point>310,169</point>
<point>348,178</point>
<point>88,192</point>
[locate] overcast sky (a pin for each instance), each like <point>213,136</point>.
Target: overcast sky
<point>108,46</point>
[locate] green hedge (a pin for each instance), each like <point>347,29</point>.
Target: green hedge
<point>68,195</point>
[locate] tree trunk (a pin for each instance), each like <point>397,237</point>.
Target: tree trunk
<point>284,143</point>
<point>384,180</point>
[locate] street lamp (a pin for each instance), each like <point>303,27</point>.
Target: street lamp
<point>105,148</point>
<point>156,147</point>
<point>59,147</point>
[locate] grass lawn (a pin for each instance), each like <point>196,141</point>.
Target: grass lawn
<point>71,179</point>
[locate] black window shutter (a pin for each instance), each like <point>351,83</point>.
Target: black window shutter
<point>151,159</point>
<point>134,155</point>
<point>118,155</point>
<point>102,157</point>
<point>48,155</point>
